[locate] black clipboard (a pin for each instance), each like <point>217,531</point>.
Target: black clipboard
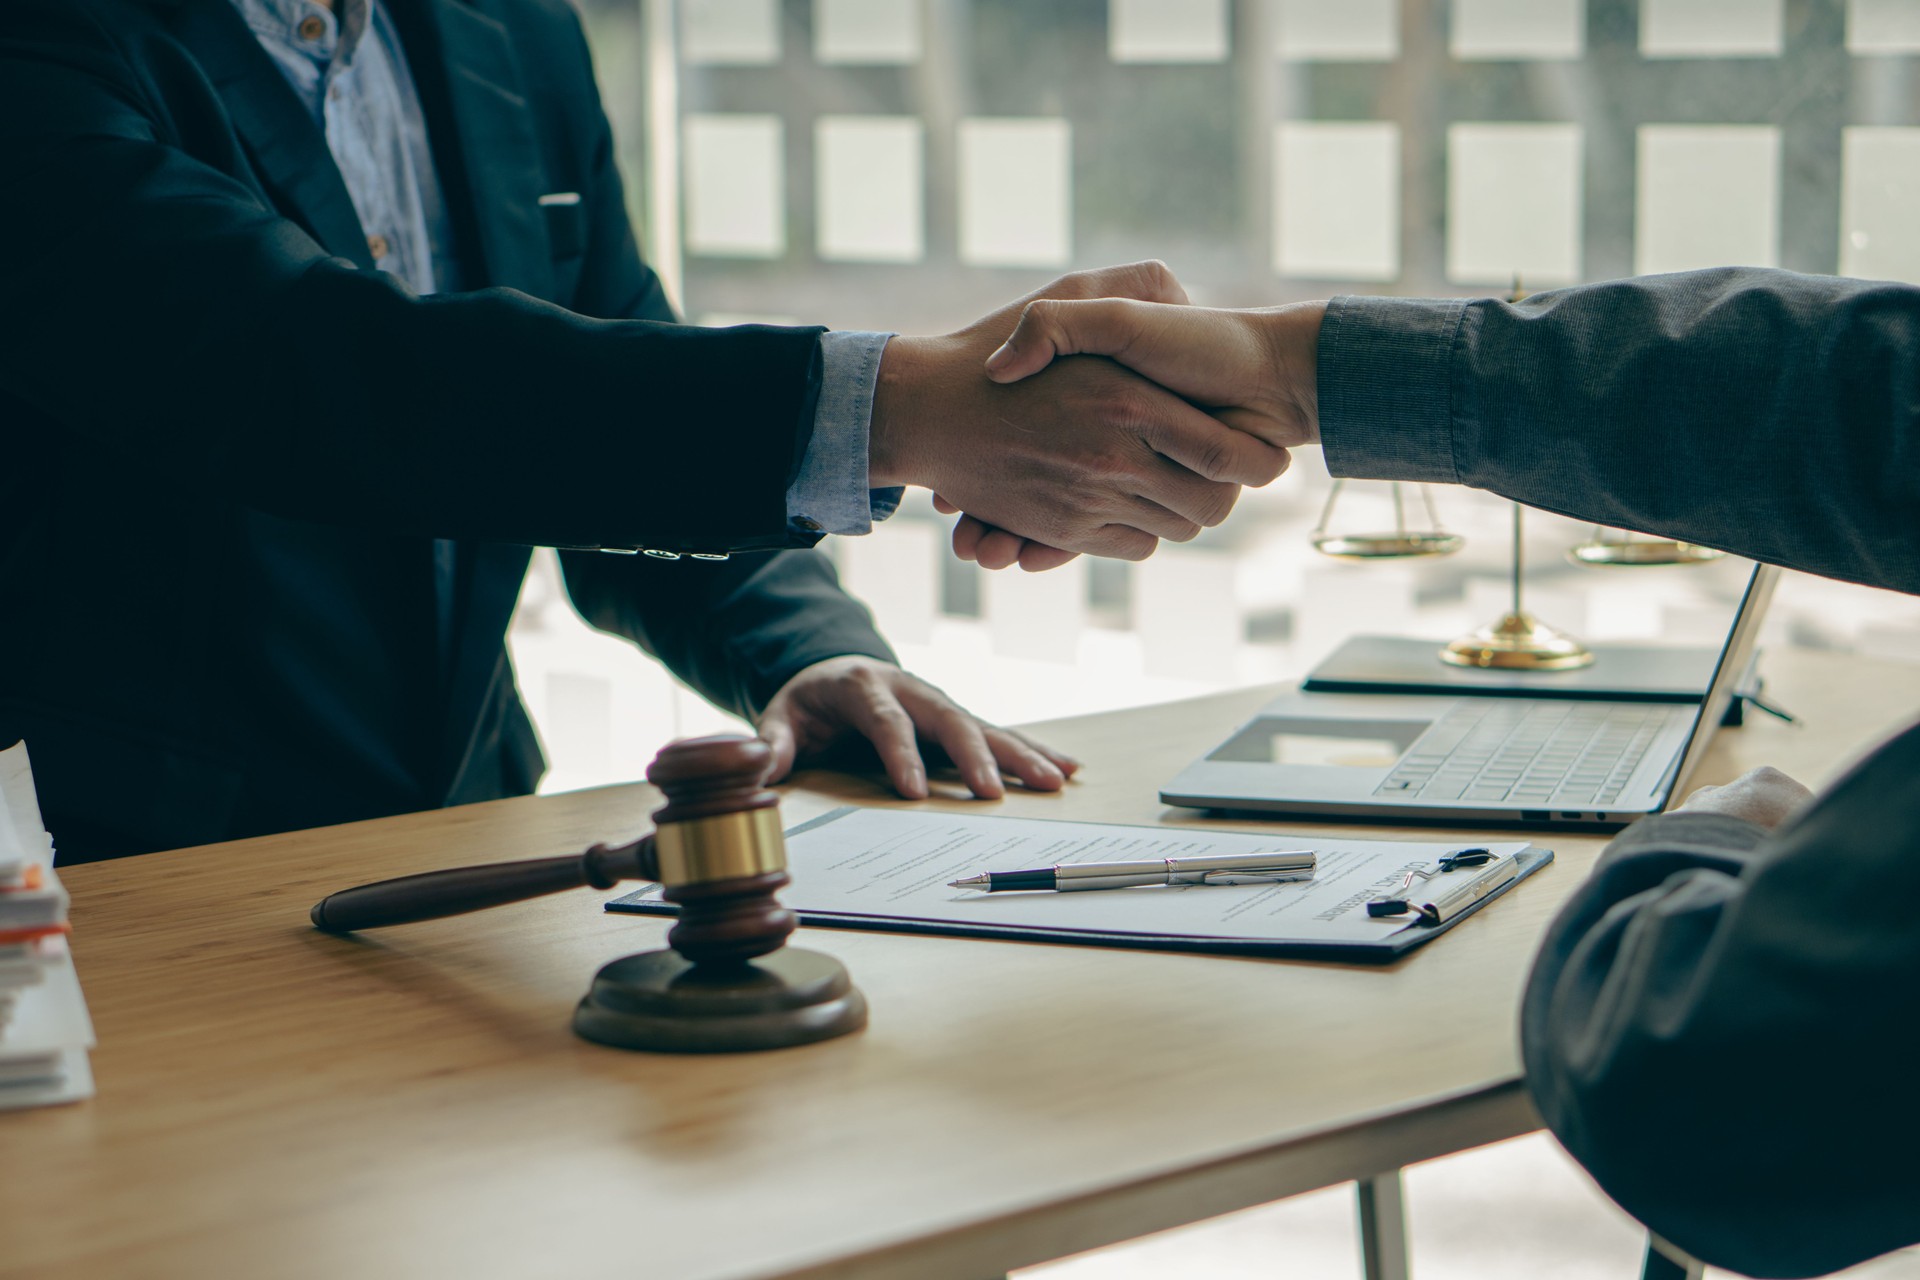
<point>1385,951</point>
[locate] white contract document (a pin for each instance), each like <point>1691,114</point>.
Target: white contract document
<point>889,869</point>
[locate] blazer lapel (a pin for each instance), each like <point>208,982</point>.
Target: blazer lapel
<point>287,148</point>
<point>488,160</point>
<point>483,138</point>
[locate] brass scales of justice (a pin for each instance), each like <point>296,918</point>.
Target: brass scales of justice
<point>1517,640</point>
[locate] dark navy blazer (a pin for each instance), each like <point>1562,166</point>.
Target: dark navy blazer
<point>216,596</point>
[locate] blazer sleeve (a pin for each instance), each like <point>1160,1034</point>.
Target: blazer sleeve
<point>1720,1026</point>
<point>735,631</point>
<point>157,309</point>
<point>1762,412</point>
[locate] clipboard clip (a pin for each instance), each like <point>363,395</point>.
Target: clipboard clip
<point>1496,873</point>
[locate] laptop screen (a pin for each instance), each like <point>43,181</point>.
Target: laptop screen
<point>1735,657</point>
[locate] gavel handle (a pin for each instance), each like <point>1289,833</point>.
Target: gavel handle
<point>450,893</point>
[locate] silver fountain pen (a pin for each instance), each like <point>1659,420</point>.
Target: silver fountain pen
<point>1229,868</point>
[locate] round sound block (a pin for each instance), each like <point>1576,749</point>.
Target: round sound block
<point>659,1001</point>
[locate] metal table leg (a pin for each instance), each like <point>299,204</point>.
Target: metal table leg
<point>1383,1227</point>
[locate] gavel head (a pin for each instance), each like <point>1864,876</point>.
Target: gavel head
<point>729,983</point>
<point>720,850</point>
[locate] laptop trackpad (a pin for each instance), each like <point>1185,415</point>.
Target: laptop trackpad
<point>1346,742</point>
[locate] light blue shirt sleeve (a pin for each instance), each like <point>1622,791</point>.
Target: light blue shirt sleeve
<point>830,494</point>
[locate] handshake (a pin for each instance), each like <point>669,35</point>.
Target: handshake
<point>1151,417</point>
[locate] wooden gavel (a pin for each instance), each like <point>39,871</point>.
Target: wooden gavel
<point>718,853</point>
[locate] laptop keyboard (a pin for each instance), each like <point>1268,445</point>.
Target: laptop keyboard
<point>1551,754</point>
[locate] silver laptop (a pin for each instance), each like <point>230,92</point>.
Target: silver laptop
<point>1473,757</point>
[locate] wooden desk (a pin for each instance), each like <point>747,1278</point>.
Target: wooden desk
<point>277,1102</point>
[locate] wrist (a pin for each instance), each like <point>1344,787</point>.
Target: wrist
<point>1291,336</point>
<point>892,438</point>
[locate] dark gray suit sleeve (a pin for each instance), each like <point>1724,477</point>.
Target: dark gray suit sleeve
<point>1721,1027</point>
<point>1762,412</point>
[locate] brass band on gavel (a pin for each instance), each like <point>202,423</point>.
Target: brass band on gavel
<point>725,846</point>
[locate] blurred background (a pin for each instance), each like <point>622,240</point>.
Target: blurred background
<point>909,165</point>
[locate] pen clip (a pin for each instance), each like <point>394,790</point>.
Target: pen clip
<point>1279,875</point>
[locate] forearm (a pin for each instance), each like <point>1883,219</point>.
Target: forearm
<point>735,631</point>
<point>486,415</point>
<point>1692,988</point>
<point>1758,411</point>
<point>168,320</point>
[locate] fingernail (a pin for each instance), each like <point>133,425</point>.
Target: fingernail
<point>916,783</point>
<point>1001,358</point>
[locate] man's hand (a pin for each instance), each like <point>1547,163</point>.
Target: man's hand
<point>1765,796</point>
<point>846,699</point>
<point>1091,458</point>
<point>1254,370</point>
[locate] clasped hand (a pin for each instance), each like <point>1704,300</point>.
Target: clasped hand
<point>1153,415</point>
<point>1108,456</point>
<point>1093,456</point>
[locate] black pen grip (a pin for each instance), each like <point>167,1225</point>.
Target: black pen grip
<point>1001,881</point>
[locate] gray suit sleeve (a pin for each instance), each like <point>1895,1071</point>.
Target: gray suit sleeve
<point>1762,412</point>
<point>1721,1023</point>
<point>1718,1025</point>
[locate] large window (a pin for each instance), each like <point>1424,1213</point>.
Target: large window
<point>911,164</point>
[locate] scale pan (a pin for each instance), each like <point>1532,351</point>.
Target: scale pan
<point>1642,551</point>
<point>1387,546</point>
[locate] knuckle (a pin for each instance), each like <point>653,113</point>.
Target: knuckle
<point>935,696</point>
<point>1110,467</point>
<point>1075,284</point>
<point>958,725</point>
<point>1215,459</point>
<point>1126,407</point>
<point>1156,277</point>
<point>1038,321</point>
<point>1042,313</point>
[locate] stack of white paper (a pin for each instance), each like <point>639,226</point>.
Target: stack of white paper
<point>44,1029</point>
